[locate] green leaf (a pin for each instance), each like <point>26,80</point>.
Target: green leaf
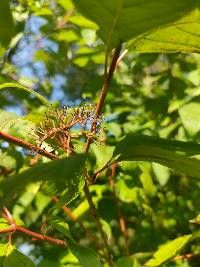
<point>82,22</point>
<point>147,181</point>
<point>86,256</point>
<point>170,153</point>
<point>6,23</point>
<point>189,114</point>
<point>123,20</point>
<point>7,119</point>
<point>161,172</point>
<point>65,174</point>
<point>16,258</point>
<point>15,85</point>
<point>124,262</point>
<point>61,226</point>
<point>3,250</point>
<point>7,161</point>
<point>167,251</point>
<point>66,4</point>
<point>10,257</point>
<point>66,35</point>
<point>196,220</point>
<point>102,154</point>
<point>4,224</point>
<point>182,35</point>
<point>127,194</point>
<point>106,228</point>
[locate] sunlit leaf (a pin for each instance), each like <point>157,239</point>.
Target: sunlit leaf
<point>123,20</point>
<point>162,173</point>
<point>189,114</point>
<point>61,226</point>
<point>4,224</point>
<point>167,251</point>
<point>196,220</point>
<point>183,36</point>
<point>7,119</point>
<point>82,22</point>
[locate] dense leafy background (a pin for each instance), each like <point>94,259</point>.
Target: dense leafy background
<point>49,47</point>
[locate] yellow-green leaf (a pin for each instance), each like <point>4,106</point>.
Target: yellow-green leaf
<point>180,36</point>
<point>167,251</point>
<point>15,85</point>
<point>122,20</point>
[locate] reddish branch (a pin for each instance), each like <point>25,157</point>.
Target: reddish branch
<point>24,144</point>
<point>14,227</point>
<point>121,219</point>
<point>100,104</point>
<point>6,137</point>
<point>103,92</point>
<point>74,219</point>
<point>99,226</point>
<point>187,256</point>
<point>96,174</point>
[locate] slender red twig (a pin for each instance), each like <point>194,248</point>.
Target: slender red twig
<point>98,223</point>
<point>103,93</point>
<point>24,144</point>
<point>121,219</point>
<point>38,236</point>
<point>96,174</point>
<point>14,227</point>
<point>69,213</point>
<point>187,256</point>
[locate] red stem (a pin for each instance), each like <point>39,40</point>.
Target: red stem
<point>24,144</point>
<point>103,92</point>
<point>187,256</point>
<point>69,213</point>
<point>121,219</point>
<point>41,237</point>
<point>14,227</point>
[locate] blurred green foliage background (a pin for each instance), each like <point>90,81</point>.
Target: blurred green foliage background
<point>55,51</point>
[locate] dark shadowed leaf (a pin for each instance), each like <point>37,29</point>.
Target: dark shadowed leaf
<point>173,154</point>
<point>65,174</point>
<point>6,23</point>
<point>124,262</point>
<point>86,256</point>
<point>123,20</point>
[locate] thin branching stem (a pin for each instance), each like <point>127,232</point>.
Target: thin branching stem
<point>99,226</point>
<point>70,214</point>
<point>14,227</point>
<point>104,92</point>
<point>107,78</point>
<point>21,143</point>
<point>121,218</point>
<point>187,256</point>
